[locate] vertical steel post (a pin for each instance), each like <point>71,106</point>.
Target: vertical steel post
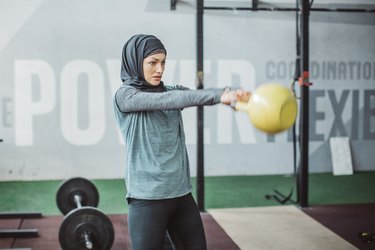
<point>303,170</point>
<point>200,110</point>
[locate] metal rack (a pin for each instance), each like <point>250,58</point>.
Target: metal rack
<point>302,9</point>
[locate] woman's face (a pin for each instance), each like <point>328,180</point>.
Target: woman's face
<point>153,68</point>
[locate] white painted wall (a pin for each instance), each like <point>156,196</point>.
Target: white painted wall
<point>60,62</point>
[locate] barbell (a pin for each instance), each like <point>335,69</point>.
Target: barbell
<point>84,226</point>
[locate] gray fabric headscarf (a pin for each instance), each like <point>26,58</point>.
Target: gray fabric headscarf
<point>134,51</point>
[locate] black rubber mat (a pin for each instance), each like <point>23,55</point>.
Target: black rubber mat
<point>347,221</point>
<point>48,228</point>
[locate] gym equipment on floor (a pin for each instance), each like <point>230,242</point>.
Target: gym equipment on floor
<point>84,226</point>
<point>9,233</point>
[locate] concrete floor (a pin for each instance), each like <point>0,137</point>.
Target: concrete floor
<point>279,227</point>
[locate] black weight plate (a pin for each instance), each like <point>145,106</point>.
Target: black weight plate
<point>90,220</point>
<point>76,186</point>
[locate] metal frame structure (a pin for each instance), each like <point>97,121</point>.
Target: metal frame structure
<point>303,9</point>
<point>255,6</point>
<point>303,168</point>
<point>200,109</point>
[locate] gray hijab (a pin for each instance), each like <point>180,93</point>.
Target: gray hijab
<point>134,51</point>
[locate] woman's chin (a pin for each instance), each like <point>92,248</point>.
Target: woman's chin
<point>154,83</point>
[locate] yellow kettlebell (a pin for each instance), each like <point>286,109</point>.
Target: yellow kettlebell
<point>272,108</point>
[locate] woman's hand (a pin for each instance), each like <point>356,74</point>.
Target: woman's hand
<point>231,96</point>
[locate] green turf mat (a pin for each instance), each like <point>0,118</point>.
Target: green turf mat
<point>220,192</point>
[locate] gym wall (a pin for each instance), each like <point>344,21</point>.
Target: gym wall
<point>60,65</point>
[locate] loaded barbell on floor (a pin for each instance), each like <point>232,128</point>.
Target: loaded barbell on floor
<point>84,226</point>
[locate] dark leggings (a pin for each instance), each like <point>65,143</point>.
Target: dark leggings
<point>150,219</point>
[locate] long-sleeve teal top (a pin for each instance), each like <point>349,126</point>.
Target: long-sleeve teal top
<point>151,124</point>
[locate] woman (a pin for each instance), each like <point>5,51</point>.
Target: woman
<point>148,113</point>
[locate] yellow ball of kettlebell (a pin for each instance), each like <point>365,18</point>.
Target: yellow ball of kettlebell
<point>272,108</point>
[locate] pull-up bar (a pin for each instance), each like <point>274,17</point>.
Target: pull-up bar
<point>353,10</point>
<point>255,7</point>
